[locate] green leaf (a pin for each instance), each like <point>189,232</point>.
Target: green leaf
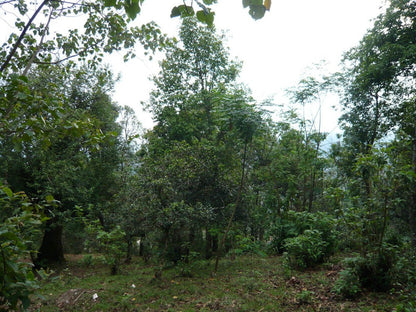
<point>110,3</point>
<point>201,16</point>
<point>8,192</point>
<point>210,18</point>
<point>49,198</point>
<point>182,10</point>
<point>251,3</point>
<point>205,18</point>
<point>257,11</point>
<point>25,301</point>
<point>132,8</point>
<point>175,12</point>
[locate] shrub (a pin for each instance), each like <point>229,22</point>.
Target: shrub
<point>87,260</point>
<point>246,245</point>
<point>406,307</point>
<point>373,271</point>
<point>283,228</point>
<point>307,249</point>
<point>18,221</point>
<point>110,243</point>
<point>294,224</point>
<point>404,270</point>
<point>348,284</point>
<point>305,297</point>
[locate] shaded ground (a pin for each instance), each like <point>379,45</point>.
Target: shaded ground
<point>249,283</point>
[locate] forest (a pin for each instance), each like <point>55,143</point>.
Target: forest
<point>220,206</point>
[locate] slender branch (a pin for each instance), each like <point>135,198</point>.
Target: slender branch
<point>39,47</point>
<point>18,42</point>
<point>7,1</point>
<point>58,61</point>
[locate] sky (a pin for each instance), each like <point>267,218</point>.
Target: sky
<point>276,51</point>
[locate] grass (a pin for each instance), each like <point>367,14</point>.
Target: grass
<point>248,283</point>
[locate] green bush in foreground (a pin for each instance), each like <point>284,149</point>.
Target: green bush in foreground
<point>18,221</point>
<point>348,284</point>
<point>307,249</point>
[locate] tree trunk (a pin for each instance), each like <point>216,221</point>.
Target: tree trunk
<point>236,205</point>
<point>51,250</point>
<point>129,250</point>
<point>412,207</point>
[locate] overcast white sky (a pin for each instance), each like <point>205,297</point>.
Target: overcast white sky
<point>276,50</point>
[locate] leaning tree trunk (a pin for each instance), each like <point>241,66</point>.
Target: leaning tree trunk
<point>51,250</point>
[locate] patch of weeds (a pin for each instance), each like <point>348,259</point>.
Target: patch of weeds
<point>348,284</point>
<point>286,267</point>
<point>305,297</point>
<point>87,260</point>
<point>406,307</point>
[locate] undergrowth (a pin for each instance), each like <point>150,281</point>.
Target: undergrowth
<point>248,283</point>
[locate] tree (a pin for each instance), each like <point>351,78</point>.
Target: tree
<point>195,158</point>
<point>74,164</point>
<point>310,91</point>
<point>380,86</point>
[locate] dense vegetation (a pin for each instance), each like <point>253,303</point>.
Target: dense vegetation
<point>217,176</point>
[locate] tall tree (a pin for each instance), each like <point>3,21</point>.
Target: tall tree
<point>72,163</point>
<point>380,86</point>
<point>210,123</point>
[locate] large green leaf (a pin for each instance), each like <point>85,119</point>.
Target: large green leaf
<point>182,10</point>
<point>251,3</point>
<point>205,18</point>
<point>257,11</point>
<point>175,12</point>
<point>8,192</point>
<point>132,8</point>
<point>110,3</point>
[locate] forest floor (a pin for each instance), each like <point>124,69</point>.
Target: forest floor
<point>247,283</point>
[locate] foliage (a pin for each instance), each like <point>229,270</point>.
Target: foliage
<point>307,249</point>
<point>236,286</point>
<point>257,8</point>
<point>243,244</point>
<point>374,271</point>
<point>110,243</point>
<point>308,238</point>
<point>348,284</point>
<point>72,154</point>
<point>294,224</point>
<point>19,221</point>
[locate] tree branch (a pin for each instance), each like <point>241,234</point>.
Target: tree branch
<point>39,47</point>
<point>16,45</point>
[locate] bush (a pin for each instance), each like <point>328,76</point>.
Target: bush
<point>307,249</point>
<point>110,243</point>
<point>246,245</point>
<point>373,271</point>
<point>308,238</point>
<point>87,260</point>
<point>348,284</point>
<point>404,270</point>
<point>283,228</point>
<point>18,220</point>
<point>294,224</point>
